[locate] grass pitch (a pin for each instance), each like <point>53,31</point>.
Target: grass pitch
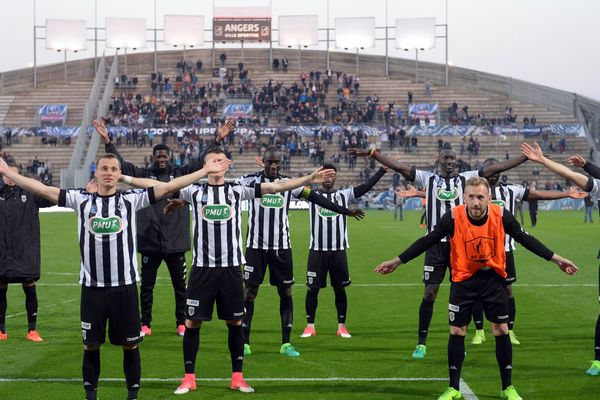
<point>555,323</point>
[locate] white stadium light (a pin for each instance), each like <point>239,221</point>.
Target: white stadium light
<point>415,33</point>
<point>66,34</point>
<point>184,30</point>
<point>126,33</point>
<point>298,30</point>
<point>355,33</point>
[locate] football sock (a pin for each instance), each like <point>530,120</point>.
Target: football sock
<point>31,305</point>
<point>341,303</point>
<point>235,340</point>
<point>132,367</point>
<point>456,356</point>
<point>191,343</point>
<point>504,358</point>
<point>597,340</point>
<point>3,306</point>
<point>425,314</point>
<point>312,301</point>
<point>478,315</point>
<point>247,320</point>
<point>286,312</point>
<point>91,372</point>
<point>512,311</point>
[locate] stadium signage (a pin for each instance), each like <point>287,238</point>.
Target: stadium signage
<point>216,212</point>
<point>325,213</point>
<point>446,195</point>
<point>105,226</point>
<point>271,201</point>
<point>236,29</point>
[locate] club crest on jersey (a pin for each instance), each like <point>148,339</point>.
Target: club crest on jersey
<point>325,213</point>
<point>500,203</point>
<point>271,201</point>
<point>446,195</point>
<point>105,226</point>
<point>216,212</point>
<point>24,198</point>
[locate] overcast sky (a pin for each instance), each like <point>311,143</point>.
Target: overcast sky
<point>554,43</point>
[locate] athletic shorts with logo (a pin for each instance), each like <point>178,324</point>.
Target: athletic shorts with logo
<point>485,286</point>
<point>321,263</point>
<point>437,261</point>
<point>118,306</point>
<point>207,286</point>
<point>281,267</point>
<point>511,271</point>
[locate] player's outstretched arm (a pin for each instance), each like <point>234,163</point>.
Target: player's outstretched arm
<point>162,189</point>
<point>505,165</point>
<point>534,153</point>
<point>387,267</point>
<point>567,266</point>
<point>587,166</point>
<point>389,162</point>
<point>411,191</point>
<point>324,202</point>
<point>283,185</point>
<point>127,168</point>
<point>556,194</point>
<point>224,131</point>
<point>31,185</point>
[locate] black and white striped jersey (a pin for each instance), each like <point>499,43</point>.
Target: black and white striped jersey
<point>441,194</point>
<point>106,226</point>
<point>217,222</point>
<point>506,195</point>
<point>268,226</point>
<point>328,229</point>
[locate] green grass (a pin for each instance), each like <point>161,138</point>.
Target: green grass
<point>555,325</point>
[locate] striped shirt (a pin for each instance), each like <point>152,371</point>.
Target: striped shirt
<point>217,222</point>
<point>268,226</point>
<point>441,194</point>
<point>328,229</point>
<point>506,195</point>
<point>106,226</point>
<point>595,192</point>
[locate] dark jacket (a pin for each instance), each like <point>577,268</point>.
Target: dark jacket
<point>20,233</point>
<point>158,233</point>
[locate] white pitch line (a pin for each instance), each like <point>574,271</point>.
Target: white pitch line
<point>42,307</point>
<point>466,391</point>
<point>327,379</point>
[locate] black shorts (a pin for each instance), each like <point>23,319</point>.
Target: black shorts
<point>5,280</point>
<point>281,267</point>
<point>511,271</point>
<point>322,262</point>
<point>437,261</point>
<point>116,305</point>
<point>209,285</point>
<point>486,287</point>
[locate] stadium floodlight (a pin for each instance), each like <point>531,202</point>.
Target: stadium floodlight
<point>66,34</point>
<point>355,33</point>
<point>184,30</point>
<point>415,33</point>
<point>298,30</point>
<point>126,33</point>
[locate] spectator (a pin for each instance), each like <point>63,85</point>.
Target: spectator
<point>223,58</point>
<point>427,88</point>
<point>410,97</point>
<point>285,64</point>
<point>276,64</point>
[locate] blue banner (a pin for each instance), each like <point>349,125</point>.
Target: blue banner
<point>53,114</point>
<point>242,110</point>
<point>422,111</point>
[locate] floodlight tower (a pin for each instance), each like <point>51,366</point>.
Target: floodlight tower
<point>126,33</point>
<point>298,31</point>
<point>355,33</point>
<point>415,34</point>
<point>184,30</point>
<point>66,35</point>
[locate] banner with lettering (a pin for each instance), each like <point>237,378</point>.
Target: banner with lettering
<point>240,110</point>
<point>52,114</point>
<point>422,111</point>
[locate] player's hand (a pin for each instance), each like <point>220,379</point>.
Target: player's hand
<point>410,191</point>
<point>576,194</point>
<point>173,204</point>
<point>3,166</point>
<point>387,267</point>
<point>567,266</point>
<point>224,130</point>
<point>215,166</point>
<point>358,152</point>
<point>92,186</point>
<point>577,161</point>
<point>534,153</point>
<point>101,129</point>
<point>259,161</point>
<point>320,174</point>
<point>357,213</point>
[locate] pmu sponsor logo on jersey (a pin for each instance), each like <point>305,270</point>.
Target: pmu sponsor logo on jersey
<point>105,226</point>
<point>216,212</point>
<point>325,213</point>
<point>446,195</point>
<point>272,201</point>
<point>500,203</point>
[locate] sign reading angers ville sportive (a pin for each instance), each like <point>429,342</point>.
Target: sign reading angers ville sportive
<point>236,29</point>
